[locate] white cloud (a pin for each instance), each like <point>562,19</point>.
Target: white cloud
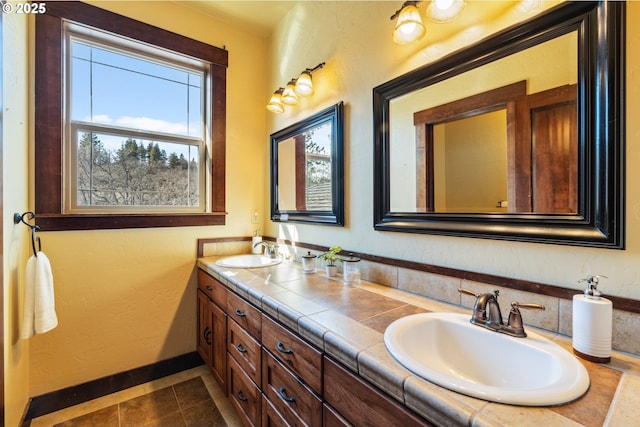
<point>147,123</point>
<point>141,123</point>
<point>100,118</point>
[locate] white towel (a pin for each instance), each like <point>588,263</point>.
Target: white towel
<point>39,303</point>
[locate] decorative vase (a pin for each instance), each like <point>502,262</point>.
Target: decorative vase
<point>331,270</point>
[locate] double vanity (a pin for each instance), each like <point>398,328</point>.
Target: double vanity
<point>303,349</point>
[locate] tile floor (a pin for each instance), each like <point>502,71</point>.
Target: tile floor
<point>188,398</point>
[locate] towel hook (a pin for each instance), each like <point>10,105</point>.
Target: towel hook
<point>20,218</point>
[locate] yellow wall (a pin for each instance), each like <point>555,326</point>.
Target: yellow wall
<point>126,298</point>
<point>354,39</point>
<point>15,190</point>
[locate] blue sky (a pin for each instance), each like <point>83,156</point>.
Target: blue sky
<point>112,88</point>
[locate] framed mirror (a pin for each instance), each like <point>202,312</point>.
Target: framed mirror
<point>307,170</point>
<point>517,137</point>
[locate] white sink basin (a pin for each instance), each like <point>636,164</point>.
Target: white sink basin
<point>248,261</point>
<point>446,349</point>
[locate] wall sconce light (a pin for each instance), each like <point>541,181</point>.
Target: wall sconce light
<point>298,87</point>
<point>289,95</point>
<point>444,10</point>
<point>275,104</point>
<point>409,27</point>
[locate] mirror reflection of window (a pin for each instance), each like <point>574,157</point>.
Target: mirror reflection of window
<point>317,170</point>
<point>304,171</point>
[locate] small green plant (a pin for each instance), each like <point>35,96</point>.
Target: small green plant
<point>330,257</point>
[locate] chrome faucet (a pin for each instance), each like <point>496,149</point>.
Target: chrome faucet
<point>270,249</point>
<point>486,313</point>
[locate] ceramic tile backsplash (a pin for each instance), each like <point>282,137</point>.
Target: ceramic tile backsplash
<point>430,285</point>
<point>383,274</point>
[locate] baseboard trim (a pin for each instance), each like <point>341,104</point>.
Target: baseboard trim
<point>60,399</point>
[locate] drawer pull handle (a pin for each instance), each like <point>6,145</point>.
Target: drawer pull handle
<point>239,313</point>
<point>207,335</point>
<point>284,397</point>
<point>281,348</point>
<point>241,349</point>
<point>241,397</point>
<point>209,288</point>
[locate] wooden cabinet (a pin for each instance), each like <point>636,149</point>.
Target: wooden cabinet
<point>245,350</point>
<point>204,328</point>
<point>212,326</point>
<point>332,418</point>
<point>218,361</point>
<point>274,378</point>
<point>271,417</point>
<point>292,399</point>
<point>245,315</point>
<point>301,358</point>
<point>362,405</point>
<point>244,394</point>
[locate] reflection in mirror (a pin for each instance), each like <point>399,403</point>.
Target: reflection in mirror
<point>304,170</point>
<point>307,170</point>
<point>518,137</point>
<point>491,149</point>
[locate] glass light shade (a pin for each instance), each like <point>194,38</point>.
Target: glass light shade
<point>304,84</point>
<point>409,27</point>
<point>289,94</point>
<point>275,104</point>
<point>444,10</point>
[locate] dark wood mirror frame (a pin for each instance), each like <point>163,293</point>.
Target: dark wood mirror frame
<point>601,133</point>
<point>335,116</point>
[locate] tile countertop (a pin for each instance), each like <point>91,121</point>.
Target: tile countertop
<point>348,323</point>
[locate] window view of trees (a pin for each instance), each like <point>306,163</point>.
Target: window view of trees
<point>134,174</point>
<point>318,172</point>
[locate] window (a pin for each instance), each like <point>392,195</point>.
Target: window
<point>143,143</point>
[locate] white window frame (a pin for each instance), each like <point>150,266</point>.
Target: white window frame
<point>120,44</point>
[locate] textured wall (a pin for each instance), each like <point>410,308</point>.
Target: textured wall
<point>126,298</point>
<point>354,38</point>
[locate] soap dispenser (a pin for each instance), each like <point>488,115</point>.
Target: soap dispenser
<point>257,238</point>
<point>592,323</point>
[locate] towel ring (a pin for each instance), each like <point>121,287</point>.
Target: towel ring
<point>20,218</point>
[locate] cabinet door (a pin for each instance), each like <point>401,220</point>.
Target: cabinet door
<point>362,405</point>
<point>204,328</point>
<point>218,361</point>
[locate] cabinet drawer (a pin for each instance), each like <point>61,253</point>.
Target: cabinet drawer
<point>332,418</point>
<point>359,403</point>
<point>245,350</point>
<point>245,314</point>
<point>212,288</point>
<point>294,401</point>
<point>243,394</point>
<point>304,360</point>
<point>271,417</point>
